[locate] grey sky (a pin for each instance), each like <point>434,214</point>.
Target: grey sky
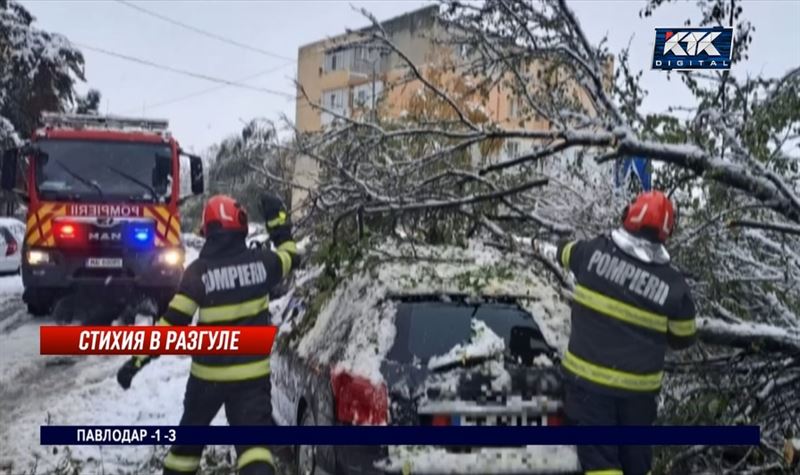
<point>282,26</point>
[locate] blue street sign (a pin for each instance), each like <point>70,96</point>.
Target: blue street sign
<point>636,166</point>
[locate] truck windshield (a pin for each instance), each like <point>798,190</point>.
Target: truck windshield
<point>85,170</point>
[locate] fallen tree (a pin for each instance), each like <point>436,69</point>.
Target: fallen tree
<point>433,174</point>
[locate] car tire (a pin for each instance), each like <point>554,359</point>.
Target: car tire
<point>306,455</point>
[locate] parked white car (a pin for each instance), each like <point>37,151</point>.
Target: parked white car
<point>417,335</point>
<point>12,235</point>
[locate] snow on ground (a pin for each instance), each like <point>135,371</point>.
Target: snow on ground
<point>85,392</point>
<point>16,354</point>
<point>531,459</point>
<point>38,390</point>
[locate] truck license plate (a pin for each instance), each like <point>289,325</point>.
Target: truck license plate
<point>104,262</point>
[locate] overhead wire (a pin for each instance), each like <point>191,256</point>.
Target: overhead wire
<point>203,32</point>
<point>184,72</point>
<point>192,95</point>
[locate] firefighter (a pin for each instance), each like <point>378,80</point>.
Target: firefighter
<point>229,284</point>
<point>630,304</point>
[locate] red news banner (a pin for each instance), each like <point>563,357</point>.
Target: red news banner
<point>156,340</point>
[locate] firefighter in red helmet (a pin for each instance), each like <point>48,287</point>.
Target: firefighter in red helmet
<point>630,305</point>
<point>228,284</point>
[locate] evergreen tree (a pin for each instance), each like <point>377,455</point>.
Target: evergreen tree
<point>38,71</point>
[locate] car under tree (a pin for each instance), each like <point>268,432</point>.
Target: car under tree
<point>424,336</point>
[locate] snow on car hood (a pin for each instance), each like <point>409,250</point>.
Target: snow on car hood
<point>484,344</point>
<point>361,313</point>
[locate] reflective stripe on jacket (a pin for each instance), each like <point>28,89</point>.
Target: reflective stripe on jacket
<point>625,314</point>
<point>229,285</point>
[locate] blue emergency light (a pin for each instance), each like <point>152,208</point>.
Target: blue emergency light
<point>140,236</point>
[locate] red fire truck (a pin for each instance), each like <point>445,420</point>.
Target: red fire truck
<point>102,194</point>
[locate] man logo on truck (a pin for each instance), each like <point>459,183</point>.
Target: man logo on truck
<point>105,236</point>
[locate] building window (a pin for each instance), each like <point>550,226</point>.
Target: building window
<point>362,94</point>
<point>336,60</point>
<point>337,101</point>
<point>514,107</point>
<point>335,98</point>
<point>365,59</point>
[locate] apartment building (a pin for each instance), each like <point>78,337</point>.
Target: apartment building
<point>343,73</point>
<point>352,77</point>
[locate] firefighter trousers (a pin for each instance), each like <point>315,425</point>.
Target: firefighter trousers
<point>246,403</point>
<point>589,408</point>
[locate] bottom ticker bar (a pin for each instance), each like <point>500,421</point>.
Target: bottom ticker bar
<point>401,435</point>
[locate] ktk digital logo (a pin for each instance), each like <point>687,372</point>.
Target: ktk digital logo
<point>693,48</point>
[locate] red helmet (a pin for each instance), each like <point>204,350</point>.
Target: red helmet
<point>651,210</point>
<point>224,213</point>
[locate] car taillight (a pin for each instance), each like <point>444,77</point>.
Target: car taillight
<point>556,419</point>
<point>358,400</point>
<point>440,420</point>
<point>11,248</point>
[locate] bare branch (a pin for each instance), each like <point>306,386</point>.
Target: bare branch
<point>780,227</point>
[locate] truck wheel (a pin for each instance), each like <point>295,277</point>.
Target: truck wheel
<point>40,308</point>
<point>39,301</point>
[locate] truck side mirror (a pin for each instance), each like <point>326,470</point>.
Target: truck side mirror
<point>8,174</point>
<point>196,172</point>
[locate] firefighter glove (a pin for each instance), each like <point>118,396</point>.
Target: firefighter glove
<point>273,210</point>
<point>129,369</point>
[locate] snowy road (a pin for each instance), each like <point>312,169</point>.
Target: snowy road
<point>37,390</point>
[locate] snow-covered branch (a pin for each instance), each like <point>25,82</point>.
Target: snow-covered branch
<point>748,335</point>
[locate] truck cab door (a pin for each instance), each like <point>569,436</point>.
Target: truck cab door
<point>196,177</point>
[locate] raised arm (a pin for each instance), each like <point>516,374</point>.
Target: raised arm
<point>682,327</point>
<point>279,227</point>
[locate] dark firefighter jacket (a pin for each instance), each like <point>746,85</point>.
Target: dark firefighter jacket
<point>229,284</point>
<point>624,315</point>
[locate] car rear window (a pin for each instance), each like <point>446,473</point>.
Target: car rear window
<point>431,328</point>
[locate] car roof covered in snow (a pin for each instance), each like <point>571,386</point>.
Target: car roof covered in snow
<point>354,326</point>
